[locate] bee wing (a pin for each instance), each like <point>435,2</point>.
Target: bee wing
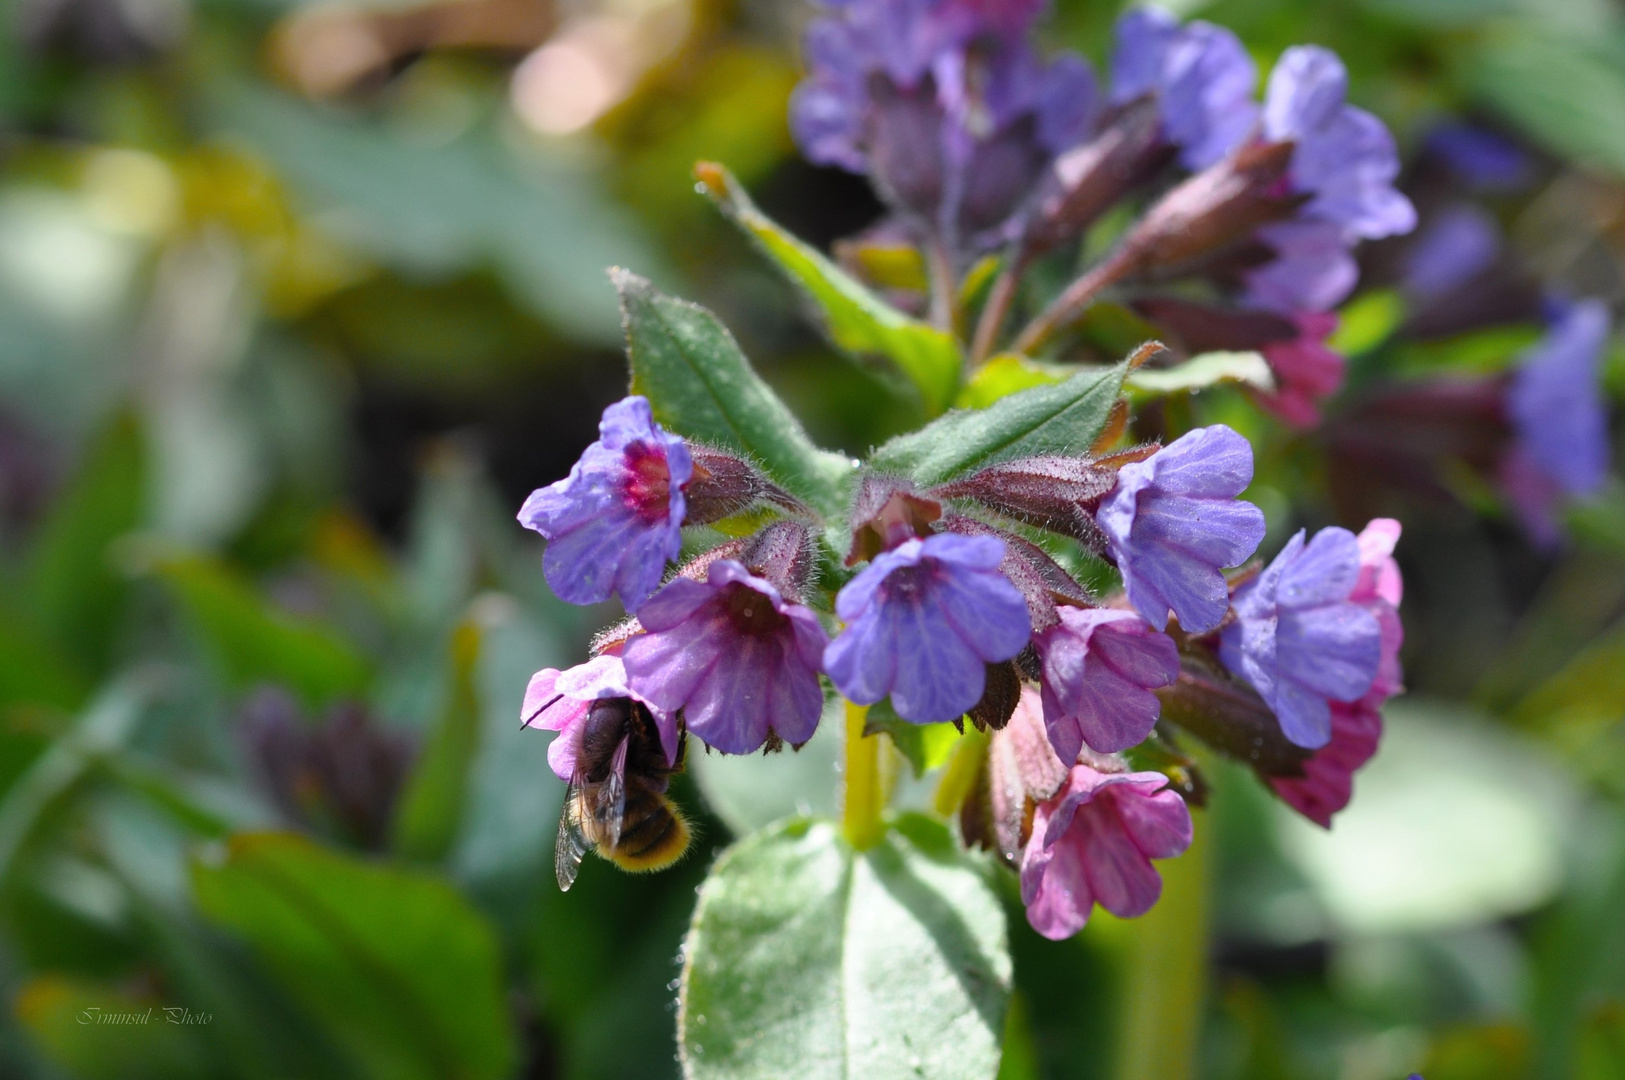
<point>612,797</point>
<point>571,844</point>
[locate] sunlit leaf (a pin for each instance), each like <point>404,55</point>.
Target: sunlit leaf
<point>702,386</point>
<point>394,963</point>
<point>1065,417</point>
<point>856,320</point>
<point>1203,371</point>
<point>926,746</point>
<point>808,959</point>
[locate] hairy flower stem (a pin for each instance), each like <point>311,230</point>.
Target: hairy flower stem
<point>1066,308</point>
<point>863,795</point>
<point>997,308</point>
<point>960,775</point>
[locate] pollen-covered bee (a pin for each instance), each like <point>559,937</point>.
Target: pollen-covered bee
<point>617,802</point>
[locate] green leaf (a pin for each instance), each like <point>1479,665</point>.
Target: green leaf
<point>1203,371</point>
<point>702,386</point>
<point>71,586</point>
<point>99,1030</point>
<point>807,959</point>
<point>432,805</point>
<point>401,970</point>
<point>926,746</point>
<point>1480,352</point>
<point>1005,374</point>
<point>251,641</point>
<point>1367,321</point>
<point>1066,417</point>
<point>856,320</point>
<point>1563,95</point>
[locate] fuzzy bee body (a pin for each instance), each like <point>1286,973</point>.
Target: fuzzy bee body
<point>616,803</point>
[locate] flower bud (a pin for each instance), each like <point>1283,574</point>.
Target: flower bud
<point>886,513</point>
<point>1088,180</point>
<point>1051,492</point>
<point>1041,580</point>
<point>783,554</point>
<point>723,485</point>
<point>1229,716</point>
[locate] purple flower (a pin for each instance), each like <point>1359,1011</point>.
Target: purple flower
<point>922,620</point>
<point>1300,639</point>
<point>1556,405</point>
<point>734,655</point>
<point>942,104</point>
<point>1201,75</point>
<point>613,523</point>
<point>560,700</point>
<point>1457,245</point>
<point>1313,269</point>
<point>1099,668</point>
<point>1481,158</point>
<point>1343,157</point>
<point>1173,523</point>
<point>1093,844</point>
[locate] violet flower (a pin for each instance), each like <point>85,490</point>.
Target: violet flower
<point>1555,401</point>
<point>1093,844</point>
<point>1343,157</point>
<point>1313,268</point>
<point>1328,780</point>
<point>922,620</point>
<point>734,655</point>
<point>616,520</point>
<point>1100,666</point>
<point>560,700</point>
<point>1299,638</point>
<point>1201,75</point>
<point>1307,370</point>
<point>943,105</point>
<point>1173,523</point>
<point>1455,246</point>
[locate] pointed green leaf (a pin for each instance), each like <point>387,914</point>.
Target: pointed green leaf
<point>855,319</point>
<point>702,386</point>
<point>403,972</point>
<point>1203,371</point>
<point>431,808</point>
<point>808,959</point>
<point>1066,417</point>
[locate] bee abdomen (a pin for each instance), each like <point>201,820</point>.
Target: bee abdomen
<point>653,833</point>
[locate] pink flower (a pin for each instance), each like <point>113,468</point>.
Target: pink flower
<point>1328,780</point>
<point>1100,666</point>
<point>1093,844</point>
<point>560,700</point>
<point>1306,370</point>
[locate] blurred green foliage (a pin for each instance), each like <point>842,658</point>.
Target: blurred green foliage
<point>277,365</point>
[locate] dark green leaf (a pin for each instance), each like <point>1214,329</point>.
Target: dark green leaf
<point>432,806</point>
<point>1064,418</point>
<point>808,959</point>
<point>856,320</point>
<point>395,963</point>
<point>702,386</point>
<point>252,641</point>
<point>77,1023</point>
<point>72,589</point>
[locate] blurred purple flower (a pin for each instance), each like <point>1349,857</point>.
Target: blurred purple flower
<point>1299,638</point>
<point>1093,844</point>
<point>734,655</point>
<point>922,620</point>
<point>1312,270</point>
<point>1343,157</point>
<point>1328,780</point>
<point>951,115</point>
<point>616,520</point>
<point>1173,523</point>
<point>1099,668</point>
<point>1458,244</point>
<point>1479,157</point>
<point>1555,400</point>
<point>560,700</point>
<point>1306,369</point>
<point>1201,75</point>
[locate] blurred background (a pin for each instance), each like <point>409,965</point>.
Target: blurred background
<point>298,300</point>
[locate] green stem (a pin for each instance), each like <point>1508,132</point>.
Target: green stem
<point>863,796</point>
<point>1166,972</point>
<point>960,775</point>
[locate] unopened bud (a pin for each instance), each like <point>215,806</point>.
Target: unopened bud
<point>888,512</point>
<point>1088,180</point>
<point>1041,580</point>
<point>1051,492</point>
<point>724,485</point>
<point>783,554</point>
<point>1229,716</point>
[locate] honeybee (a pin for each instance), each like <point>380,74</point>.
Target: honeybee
<point>616,803</point>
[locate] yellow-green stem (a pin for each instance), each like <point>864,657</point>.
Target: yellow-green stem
<point>1167,976</point>
<point>863,796</point>
<point>960,775</point>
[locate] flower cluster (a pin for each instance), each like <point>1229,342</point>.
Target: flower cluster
<point>948,595</point>
<point>973,140</point>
